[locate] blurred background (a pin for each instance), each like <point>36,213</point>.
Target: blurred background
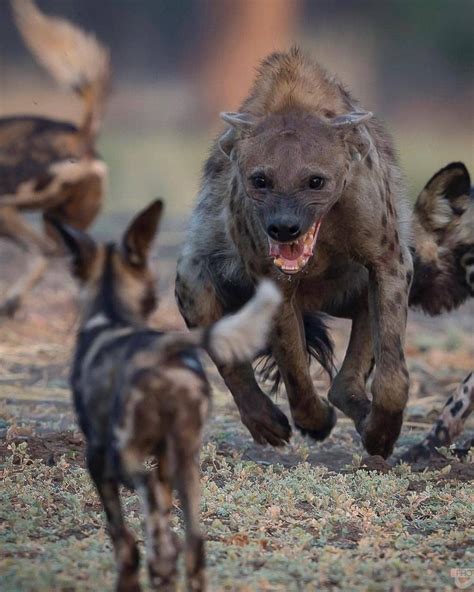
<point>177,63</point>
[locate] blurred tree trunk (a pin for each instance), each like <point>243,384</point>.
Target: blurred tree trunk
<point>245,31</point>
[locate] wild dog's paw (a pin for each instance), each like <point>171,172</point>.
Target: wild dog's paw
<point>318,425</point>
<point>266,422</point>
<point>380,430</point>
<point>9,306</point>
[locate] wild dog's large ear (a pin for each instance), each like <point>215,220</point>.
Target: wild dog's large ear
<point>444,197</point>
<point>81,246</point>
<point>140,233</point>
<point>240,123</point>
<point>357,138</point>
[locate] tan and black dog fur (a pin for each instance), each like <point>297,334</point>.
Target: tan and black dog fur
<point>142,395</point>
<point>302,168</point>
<point>443,231</point>
<point>48,165</point>
<point>448,426</point>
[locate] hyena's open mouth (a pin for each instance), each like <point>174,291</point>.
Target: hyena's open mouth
<point>293,257</point>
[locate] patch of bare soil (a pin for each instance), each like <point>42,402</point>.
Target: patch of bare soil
<point>47,447</point>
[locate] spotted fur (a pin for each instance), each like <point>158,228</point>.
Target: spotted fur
<point>48,165</point>
<point>142,395</point>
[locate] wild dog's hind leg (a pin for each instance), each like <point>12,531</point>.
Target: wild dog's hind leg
<point>198,303</point>
<point>450,423</point>
<point>37,248</point>
<point>125,548</point>
<point>389,284</point>
<point>348,390</point>
<point>155,491</point>
<point>187,474</point>
<point>311,414</point>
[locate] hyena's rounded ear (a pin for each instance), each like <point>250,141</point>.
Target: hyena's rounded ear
<point>140,233</point>
<point>80,245</point>
<point>240,124</point>
<point>355,135</point>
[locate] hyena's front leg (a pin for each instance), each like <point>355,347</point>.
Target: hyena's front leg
<point>389,284</point>
<point>198,303</point>
<point>311,414</point>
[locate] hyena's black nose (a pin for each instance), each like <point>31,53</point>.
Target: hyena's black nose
<point>284,230</point>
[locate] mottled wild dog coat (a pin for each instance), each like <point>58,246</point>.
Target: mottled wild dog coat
<point>443,230</point>
<point>304,187</point>
<point>449,425</point>
<point>48,165</point>
<point>140,394</point>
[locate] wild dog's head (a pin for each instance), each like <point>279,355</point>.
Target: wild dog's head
<point>445,211</point>
<point>293,167</point>
<point>116,282</point>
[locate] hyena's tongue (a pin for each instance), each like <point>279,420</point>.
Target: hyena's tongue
<point>292,257</point>
<point>288,251</point>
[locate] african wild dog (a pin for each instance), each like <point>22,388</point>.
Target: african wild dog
<point>302,169</point>
<point>443,229</point>
<point>444,277</point>
<point>140,394</point>
<point>48,165</point>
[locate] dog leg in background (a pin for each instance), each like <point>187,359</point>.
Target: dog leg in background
<point>449,425</point>
<point>37,248</point>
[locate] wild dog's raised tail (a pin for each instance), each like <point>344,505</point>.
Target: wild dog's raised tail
<point>74,58</point>
<point>443,248</point>
<point>235,338</point>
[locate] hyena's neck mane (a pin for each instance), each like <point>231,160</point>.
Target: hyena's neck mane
<point>292,81</point>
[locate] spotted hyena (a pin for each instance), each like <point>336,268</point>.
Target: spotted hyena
<point>304,187</point>
<point>47,165</point>
<point>142,395</point>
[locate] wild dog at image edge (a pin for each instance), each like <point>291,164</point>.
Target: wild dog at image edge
<point>304,187</point>
<point>141,395</point>
<point>48,165</point>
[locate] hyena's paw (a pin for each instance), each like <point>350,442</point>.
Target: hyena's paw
<point>266,422</point>
<point>317,421</point>
<point>380,430</point>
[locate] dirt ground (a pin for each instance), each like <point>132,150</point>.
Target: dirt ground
<point>308,517</point>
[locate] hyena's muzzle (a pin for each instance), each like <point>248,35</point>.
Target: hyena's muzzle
<point>291,230</point>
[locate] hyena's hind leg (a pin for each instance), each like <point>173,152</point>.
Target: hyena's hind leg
<point>123,541</point>
<point>348,390</point>
<point>37,248</point>
<point>449,424</point>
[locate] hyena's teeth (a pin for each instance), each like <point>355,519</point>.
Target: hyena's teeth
<point>303,248</point>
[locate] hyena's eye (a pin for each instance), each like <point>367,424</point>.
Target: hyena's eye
<point>259,181</point>
<point>316,182</point>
